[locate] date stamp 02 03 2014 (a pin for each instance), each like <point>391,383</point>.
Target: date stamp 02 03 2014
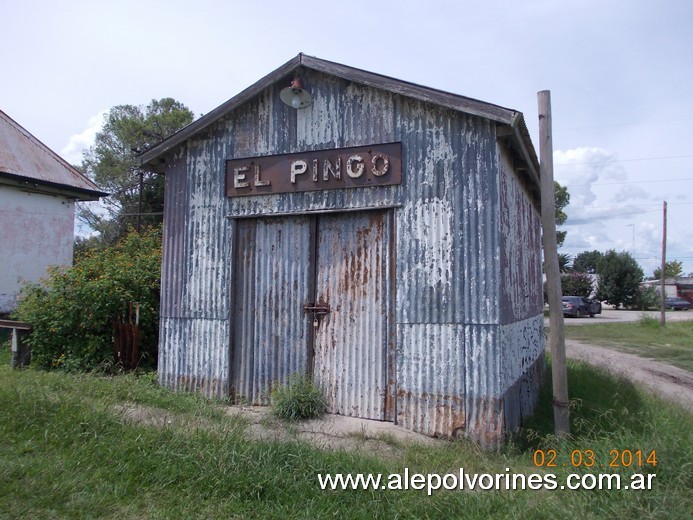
<point>551,458</point>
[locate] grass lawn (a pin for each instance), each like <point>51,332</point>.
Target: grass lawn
<point>671,344</point>
<point>66,453</point>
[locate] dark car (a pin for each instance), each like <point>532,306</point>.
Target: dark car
<point>677,304</point>
<point>579,306</point>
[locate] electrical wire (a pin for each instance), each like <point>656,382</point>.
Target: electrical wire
<point>614,161</point>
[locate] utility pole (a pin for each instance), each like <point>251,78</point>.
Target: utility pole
<point>139,205</point>
<point>662,305</point>
<point>561,413</point>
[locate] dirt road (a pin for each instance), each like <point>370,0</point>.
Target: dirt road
<point>669,382</point>
<point>612,316</point>
<point>664,380</point>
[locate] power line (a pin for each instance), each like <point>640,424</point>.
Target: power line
<point>629,182</point>
<point>571,222</point>
<point>632,206</point>
<point>625,124</point>
<point>613,161</point>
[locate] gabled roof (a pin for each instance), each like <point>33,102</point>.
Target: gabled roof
<point>516,130</point>
<point>28,163</point>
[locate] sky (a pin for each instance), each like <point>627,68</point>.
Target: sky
<point>620,73</point>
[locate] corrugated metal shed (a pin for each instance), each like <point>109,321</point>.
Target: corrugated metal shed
<point>434,284</point>
<point>27,162</point>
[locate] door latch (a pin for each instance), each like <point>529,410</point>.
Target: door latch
<point>318,309</point>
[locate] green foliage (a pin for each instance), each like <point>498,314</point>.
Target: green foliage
<point>672,269</point>
<point>73,311</point>
<point>649,322</point>
<point>587,261</point>
<point>564,263</point>
<point>619,278</point>
<point>562,199</point>
<point>113,163</point>
<point>299,399</point>
<point>646,298</point>
<point>576,284</point>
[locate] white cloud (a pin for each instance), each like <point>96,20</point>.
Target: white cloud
<point>580,168</point>
<point>630,192</point>
<point>77,143</point>
<point>607,210</point>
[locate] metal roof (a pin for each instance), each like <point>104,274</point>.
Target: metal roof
<point>512,119</point>
<point>27,162</point>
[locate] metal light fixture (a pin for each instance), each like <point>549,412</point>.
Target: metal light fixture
<point>294,95</point>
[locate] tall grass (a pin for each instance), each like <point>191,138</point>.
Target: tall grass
<point>67,452</point>
<point>297,399</point>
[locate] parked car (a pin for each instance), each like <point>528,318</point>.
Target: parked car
<point>579,306</point>
<point>677,304</point>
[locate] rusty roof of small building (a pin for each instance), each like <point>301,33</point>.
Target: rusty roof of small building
<point>28,163</point>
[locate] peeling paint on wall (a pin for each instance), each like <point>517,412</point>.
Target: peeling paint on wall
<point>429,223</point>
<point>466,346</point>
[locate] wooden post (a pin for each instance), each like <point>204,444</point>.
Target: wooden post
<point>561,413</point>
<point>662,277</point>
<point>21,352</point>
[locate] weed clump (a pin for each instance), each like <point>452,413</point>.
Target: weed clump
<point>648,322</point>
<point>298,399</point>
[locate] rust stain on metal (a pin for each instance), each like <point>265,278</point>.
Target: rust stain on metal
<point>351,342</point>
<point>439,415</point>
<point>434,320</point>
<point>355,167</point>
<point>126,344</point>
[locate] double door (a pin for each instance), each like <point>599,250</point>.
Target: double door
<point>312,295</point>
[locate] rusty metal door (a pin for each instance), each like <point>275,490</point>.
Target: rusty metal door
<point>312,295</point>
<point>350,345</point>
<point>271,281</point>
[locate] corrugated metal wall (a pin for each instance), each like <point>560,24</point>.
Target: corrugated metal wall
<point>271,283</point>
<point>449,270</point>
<point>351,341</point>
<point>521,300</point>
<point>194,331</point>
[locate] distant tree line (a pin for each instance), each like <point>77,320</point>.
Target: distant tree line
<point>614,278</point>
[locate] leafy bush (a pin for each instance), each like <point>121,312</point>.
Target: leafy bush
<point>646,298</point>
<point>576,284</point>
<point>299,399</point>
<point>74,309</point>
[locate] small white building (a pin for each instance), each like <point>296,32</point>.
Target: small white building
<point>38,191</point>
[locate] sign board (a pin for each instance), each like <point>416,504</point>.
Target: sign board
<point>355,167</point>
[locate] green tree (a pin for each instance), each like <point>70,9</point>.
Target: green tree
<point>73,311</point>
<point>576,284</point>
<point>647,298</point>
<point>619,278</point>
<point>562,198</point>
<point>112,162</point>
<point>672,269</point>
<point>564,262</point>
<point>587,261</point>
